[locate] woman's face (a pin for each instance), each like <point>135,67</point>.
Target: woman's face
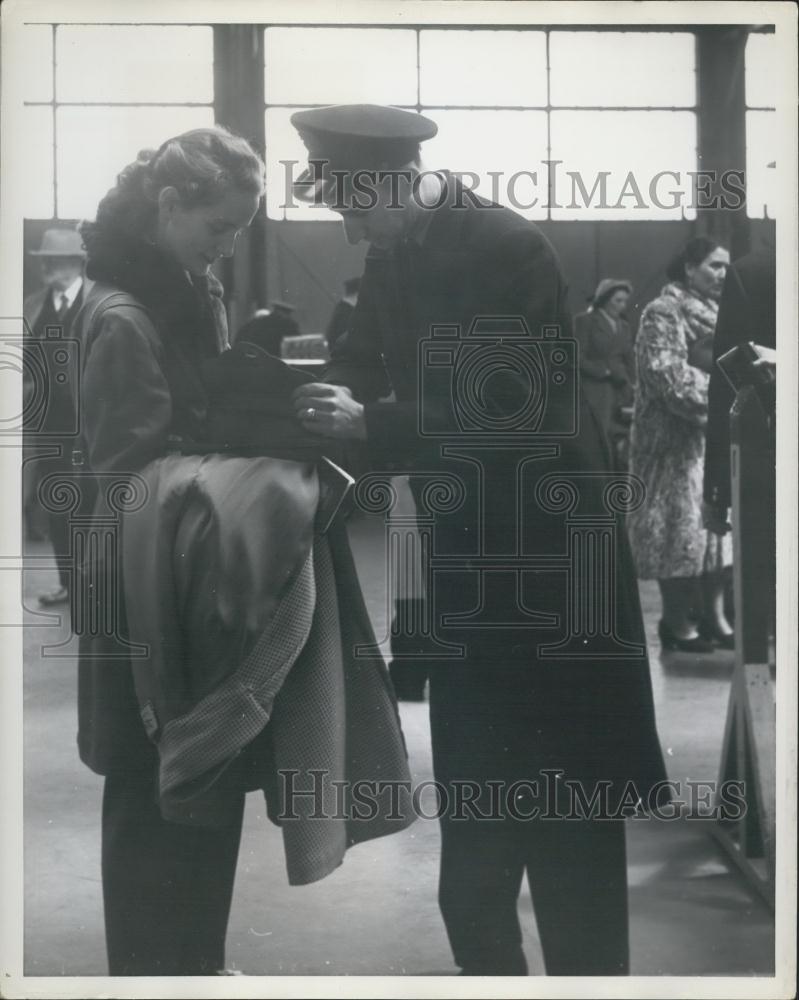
<point>200,235</point>
<point>707,278</point>
<point>617,303</point>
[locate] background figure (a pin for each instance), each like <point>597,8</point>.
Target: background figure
<point>669,540</point>
<point>342,312</point>
<point>607,362</point>
<point>268,327</point>
<point>747,311</point>
<point>61,259</point>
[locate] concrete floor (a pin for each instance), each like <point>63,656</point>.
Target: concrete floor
<point>377,914</point>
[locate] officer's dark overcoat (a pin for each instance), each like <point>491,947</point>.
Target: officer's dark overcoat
<point>508,708</point>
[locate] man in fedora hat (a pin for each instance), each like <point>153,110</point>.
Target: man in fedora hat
<point>61,260</point>
<point>503,717</point>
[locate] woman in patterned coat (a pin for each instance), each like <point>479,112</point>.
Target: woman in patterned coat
<point>667,450</point>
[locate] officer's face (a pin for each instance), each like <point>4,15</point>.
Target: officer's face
<point>379,226</point>
<point>386,219</point>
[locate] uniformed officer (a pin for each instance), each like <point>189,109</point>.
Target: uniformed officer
<point>503,714</point>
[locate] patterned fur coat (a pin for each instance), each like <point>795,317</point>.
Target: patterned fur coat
<point>668,439</point>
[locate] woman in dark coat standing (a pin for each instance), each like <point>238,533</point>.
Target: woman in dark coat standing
<point>198,579</point>
<point>607,362</point>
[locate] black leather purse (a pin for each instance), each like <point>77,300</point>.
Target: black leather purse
<point>250,412</point>
<point>250,409</point>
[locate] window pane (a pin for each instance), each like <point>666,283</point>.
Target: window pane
<point>94,144</point>
<point>761,149</point>
<point>38,62</point>
<point>461,67</point>
<point>340,66</point>
<point>508,143</point>
<point>111,64</point>
<point>761,61</point>
<point>38,161</point>
<point>592,142</point>
<point>283,143</point>
<point>622,69</point>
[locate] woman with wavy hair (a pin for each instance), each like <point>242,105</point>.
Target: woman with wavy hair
<point>234,605</point>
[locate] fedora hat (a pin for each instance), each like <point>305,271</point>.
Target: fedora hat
<point>60,243</point>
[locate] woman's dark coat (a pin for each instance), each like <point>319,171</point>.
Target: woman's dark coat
<point>607,366</point>
<point>213,548</point>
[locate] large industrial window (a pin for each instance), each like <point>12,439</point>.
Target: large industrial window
<point>761,132</point>
<point>558,133</point>
<point>609,117</point>
<point>89,111</point>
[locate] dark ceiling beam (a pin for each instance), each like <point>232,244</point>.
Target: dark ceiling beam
<point>239,105</point>
<point>721,130</point>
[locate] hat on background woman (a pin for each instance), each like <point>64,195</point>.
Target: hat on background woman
<point>606,288</point>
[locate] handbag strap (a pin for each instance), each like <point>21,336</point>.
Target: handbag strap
<point>87,322</point>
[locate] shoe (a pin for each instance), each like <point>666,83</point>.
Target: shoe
<point>408,684</point>
<point>669,641</point>
<point>59,596</point>
<point>514,966</point>
<point>722,640</point>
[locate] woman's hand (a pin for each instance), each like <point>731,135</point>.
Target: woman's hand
<point>330,410</point>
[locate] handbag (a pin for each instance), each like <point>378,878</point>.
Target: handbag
<point>250,408</point>
<point>250,412</point>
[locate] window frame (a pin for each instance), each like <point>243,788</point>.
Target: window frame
<point>760,110</point>
<point>54,104</point>
<point>548,107</point>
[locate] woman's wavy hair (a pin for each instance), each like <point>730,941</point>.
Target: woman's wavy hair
<point>694,252</point>
<point>202,165</point>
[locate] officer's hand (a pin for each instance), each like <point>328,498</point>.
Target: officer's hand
<point>330,410</point>
<point>715,519</point>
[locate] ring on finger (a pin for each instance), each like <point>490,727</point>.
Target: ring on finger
<point>311,413</point>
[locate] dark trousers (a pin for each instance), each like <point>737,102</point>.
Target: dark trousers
<point>167,887</point>
<point>50,474</point>
<point>577,874</point>
<point>58,528</point>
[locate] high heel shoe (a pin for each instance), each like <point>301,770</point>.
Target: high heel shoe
<point>712,633</point>
<point>670,641</point>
